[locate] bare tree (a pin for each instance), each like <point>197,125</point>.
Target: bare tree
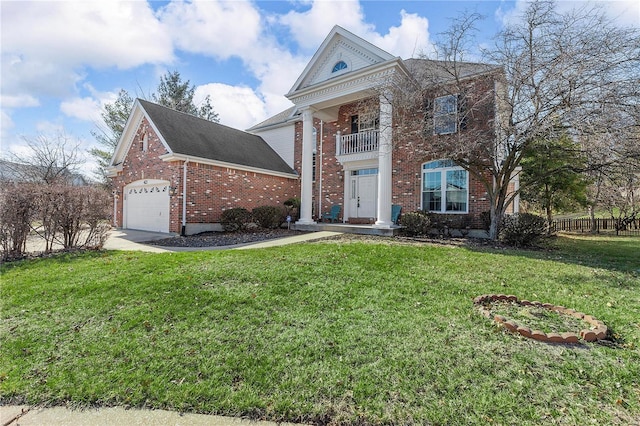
<point>550,68</point>
<point>614,170</point>
<point>50,160</point>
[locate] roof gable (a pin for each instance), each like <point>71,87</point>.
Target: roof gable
<point>340,53</point>
<point>190,136</point>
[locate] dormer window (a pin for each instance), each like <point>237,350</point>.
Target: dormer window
<point>339,66</point>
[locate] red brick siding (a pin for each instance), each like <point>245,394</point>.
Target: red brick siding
<point>210,189</point>
<point>408,158</point>
<point>213,189</point>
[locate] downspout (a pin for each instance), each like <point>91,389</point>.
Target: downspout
<point>184,198</point>
<point>320,172</point>
<point>115,208</point>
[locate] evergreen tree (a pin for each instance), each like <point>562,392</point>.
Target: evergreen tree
<point>115,116</point>
<point>172,92</point>
<point>178,95</point>
<point>552,175</point>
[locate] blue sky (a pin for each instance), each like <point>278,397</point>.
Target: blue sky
<point>63,60</point>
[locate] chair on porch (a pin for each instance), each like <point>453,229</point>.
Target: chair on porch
<point>395,213</point>
<point>332,215</point>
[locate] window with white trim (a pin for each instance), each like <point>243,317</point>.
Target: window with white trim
<point>445,115</point>
<point>445,187</point>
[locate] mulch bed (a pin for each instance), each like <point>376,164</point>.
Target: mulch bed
<point>218,239</point>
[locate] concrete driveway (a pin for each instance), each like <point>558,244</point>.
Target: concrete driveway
<point>129,239</point>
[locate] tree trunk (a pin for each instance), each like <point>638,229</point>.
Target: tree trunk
<point>592,219</point>
<point>496,218</point>
<point>549,219</point>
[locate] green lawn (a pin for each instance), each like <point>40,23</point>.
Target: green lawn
<point>341,332</point>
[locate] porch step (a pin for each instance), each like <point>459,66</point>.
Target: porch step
<point>348,229</point>
<point>361,221</point>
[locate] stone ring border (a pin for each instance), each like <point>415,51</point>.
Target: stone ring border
<point>588,335</point>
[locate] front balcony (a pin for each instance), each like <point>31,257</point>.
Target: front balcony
<point>357,143</point>
<point>357,146</point>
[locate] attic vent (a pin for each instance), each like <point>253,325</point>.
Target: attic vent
<point>339,66</point>
<point>144,141</point>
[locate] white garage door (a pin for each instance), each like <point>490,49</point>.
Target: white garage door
<point>146,205</point>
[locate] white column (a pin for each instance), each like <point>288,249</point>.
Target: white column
<point>306,190</point>
<point>385,165</point>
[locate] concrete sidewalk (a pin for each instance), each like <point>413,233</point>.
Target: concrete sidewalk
<point>126,239</point>
<point>22,415</point>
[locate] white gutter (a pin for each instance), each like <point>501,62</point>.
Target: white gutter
<point>184,197</point>
<point>182,157</point>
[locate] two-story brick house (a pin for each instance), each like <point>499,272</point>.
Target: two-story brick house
<point>343,137</point>
<point>343,143</point>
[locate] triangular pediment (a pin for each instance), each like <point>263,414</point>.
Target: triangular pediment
<point>341,53</point>
<point>138,113</point>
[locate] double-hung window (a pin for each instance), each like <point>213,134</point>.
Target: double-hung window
<point>445,187</point>
<point>445,115</point>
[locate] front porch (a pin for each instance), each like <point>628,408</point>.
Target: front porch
<point>347,228</point>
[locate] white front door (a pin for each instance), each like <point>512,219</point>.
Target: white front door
<point>364,193</point>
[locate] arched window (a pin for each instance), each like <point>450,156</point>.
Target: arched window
<point>339,66</point>
<point>445,187</point>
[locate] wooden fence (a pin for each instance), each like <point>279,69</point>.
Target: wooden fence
<point>602,226</point>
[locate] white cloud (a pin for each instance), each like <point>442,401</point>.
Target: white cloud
<point>275,67</point>
<point>99,34</point>
<point>34,77</point>
<point>86,109</point>
<point>48,128</point>
<point>238,106</point>
<point>216,28</point>
<point>408,39</point>
<point>235,29</point>
<point>310,27</point>
<point>6,124</point>
<point>18,101</point>
<point>46,45</point>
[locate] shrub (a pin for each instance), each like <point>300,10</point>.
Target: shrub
<point>293,207</point>
<point>415,223</point>
<point>97,215</point>
<point>17,210</point>
<point>461,223</point>
<point>73,217</point>
<point>446,224</point>
<point>522,229</point>
<point>269,217</point>
<point>485,219</point>
<point>76,217</point>
<point>235,219</point>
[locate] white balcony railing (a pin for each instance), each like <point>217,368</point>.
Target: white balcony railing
<point>356,143</point>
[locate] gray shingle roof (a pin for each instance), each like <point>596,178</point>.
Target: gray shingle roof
<point>189,135</point>
<point>280,117</point>
<point>427,71</point>
<point>430,72</point>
